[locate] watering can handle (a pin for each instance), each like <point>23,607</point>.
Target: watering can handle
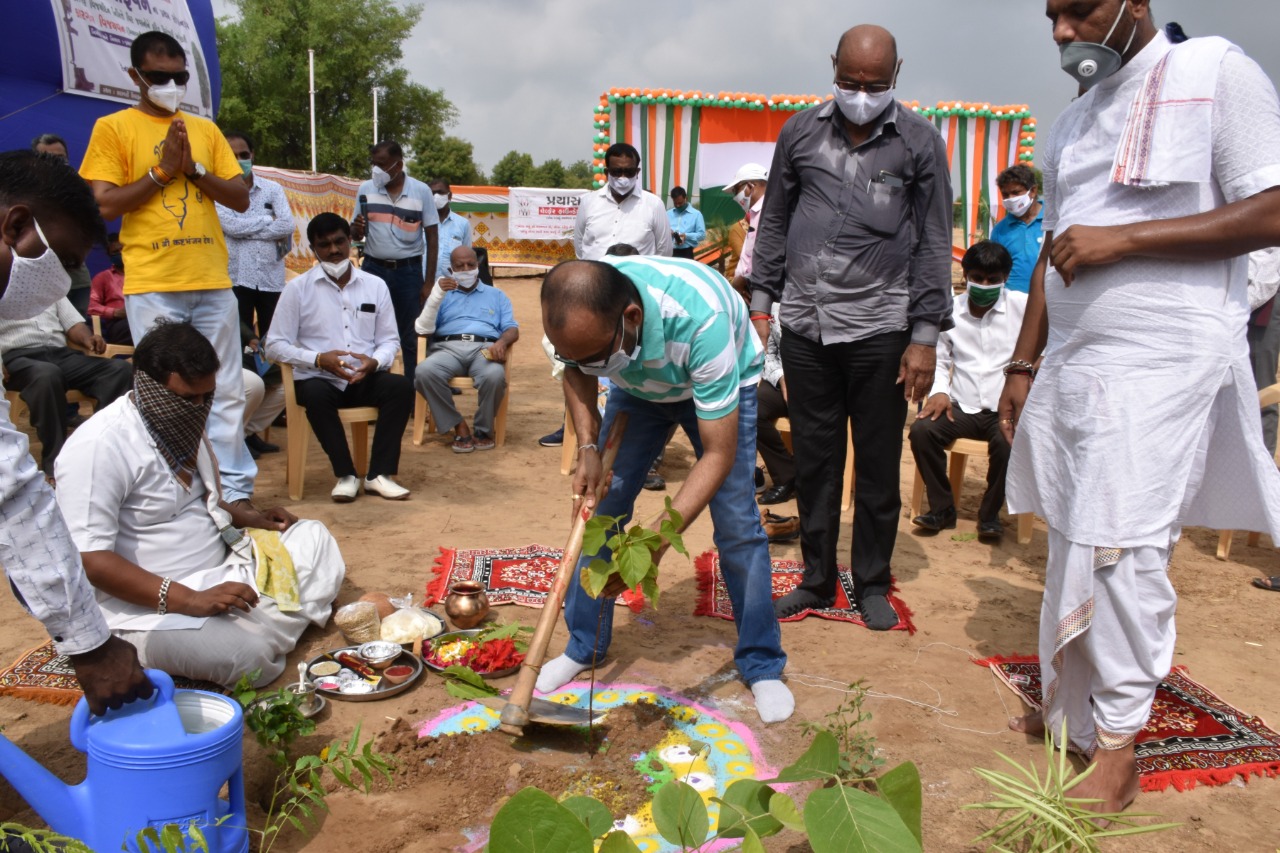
<point>80,717</point>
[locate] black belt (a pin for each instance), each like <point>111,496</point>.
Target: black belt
<point>393,265</point>
<point>479,338</point>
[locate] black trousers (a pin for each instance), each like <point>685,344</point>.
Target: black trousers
<point>43,375</point>
<point>686,252</point>
<point>116,331</point>
<point>777,459</point>
<point>261,302</point>
<point>390,393</point>
<point>830,387</point>
<point>929,440</point>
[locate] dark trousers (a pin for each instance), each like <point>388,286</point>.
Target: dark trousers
<point>390,393</point>
<point>686,252</point>
<point>79,299</point>
<point>929,440</point>
<point>43,375</point>
<point>405,284</point>
<point>115,330</point>
<point>777,459</point>
<point>261,302</point>
<point>831,386</point>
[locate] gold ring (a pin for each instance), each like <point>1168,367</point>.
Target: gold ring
<point>1006,420</point>
<point>577,497</point>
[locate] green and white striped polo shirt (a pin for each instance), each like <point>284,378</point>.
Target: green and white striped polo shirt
<point>697,339</point>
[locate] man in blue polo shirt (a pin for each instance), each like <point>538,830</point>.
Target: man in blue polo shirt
<point>396,218</point>
<point>674,339</point>
<point>1021,230</point>
<point>455,231</point>
<point>687,225</point>
<point>470,325</point>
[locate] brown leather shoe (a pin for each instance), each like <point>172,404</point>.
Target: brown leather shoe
<point>781,528</point>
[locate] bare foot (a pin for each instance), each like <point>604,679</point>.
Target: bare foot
<point>1114,781</point>
<point>1029,724</point>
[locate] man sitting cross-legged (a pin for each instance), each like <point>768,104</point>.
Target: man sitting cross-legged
<point>337,327</point>
<point>967,383</point>
<point>470,325</point>
<point>200,587</point>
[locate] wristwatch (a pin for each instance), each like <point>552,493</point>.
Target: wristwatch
<point>196,174</point>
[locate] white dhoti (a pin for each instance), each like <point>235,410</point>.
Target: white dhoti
<point>223,648</point>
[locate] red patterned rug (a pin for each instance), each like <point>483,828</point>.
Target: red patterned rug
<point>1193,737</point>
<point>713,595</point>
<point>510,575</point>
<point>43,675</point>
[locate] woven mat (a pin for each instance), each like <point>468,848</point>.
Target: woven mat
<point>1193,737</point>
<point>713,595</point>
<point>510,575</point>
<point>43,675</point>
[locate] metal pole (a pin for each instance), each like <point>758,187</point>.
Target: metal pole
<point>311,61</point>
<point>375,115</point>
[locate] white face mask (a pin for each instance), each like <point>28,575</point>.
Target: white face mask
<point>381,177</point>
<point>337,270</point>
<point>623,186</point>
<point>167,97</point>
<point>466,279</point>
<point>34,283</point>
<point>1018,204</point>
<point>615,363</point>
<point>442,201</point>
<point>743,198</point>
<point>861,108</point>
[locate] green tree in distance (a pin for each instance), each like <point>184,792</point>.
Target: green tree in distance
<point>514,170</point>
<point>434,154</point>
<point>358,46</point>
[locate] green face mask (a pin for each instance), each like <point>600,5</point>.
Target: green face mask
<point>246,167</point>
<point>984,295</point>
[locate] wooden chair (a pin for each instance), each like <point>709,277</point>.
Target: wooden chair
<point>783,426</point>
<point>113,350</point>
<point>422,412</point>
<point>961,449</point>
<point>1268,396</point>
<point>299,431</point>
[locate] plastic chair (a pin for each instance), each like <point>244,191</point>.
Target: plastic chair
<point>961,449</point>
<point>17,406</point>
<point>422,411</point>
<point>783,425</point>
<point>299,431</point>
<point>1268,396</point>
<point>113,350</point>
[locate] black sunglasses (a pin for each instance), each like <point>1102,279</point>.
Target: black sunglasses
<point>618,172</point>
<point>160,78</point>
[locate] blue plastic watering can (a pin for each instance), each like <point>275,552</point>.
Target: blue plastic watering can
<point>151,763</point>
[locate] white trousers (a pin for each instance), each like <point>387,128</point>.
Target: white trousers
<point>262,403</point>
<point>1106,640</point>
<point>237,643</point>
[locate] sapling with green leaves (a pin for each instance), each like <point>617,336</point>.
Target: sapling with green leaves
<point>632,551</point>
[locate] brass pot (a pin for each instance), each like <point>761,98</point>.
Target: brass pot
<point>466,605</point>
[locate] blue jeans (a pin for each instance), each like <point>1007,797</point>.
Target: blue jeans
<point>405,285</point>
<point>744,548</point>
<point>215,314</point>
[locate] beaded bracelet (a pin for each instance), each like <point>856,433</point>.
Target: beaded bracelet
<point>163,606</point>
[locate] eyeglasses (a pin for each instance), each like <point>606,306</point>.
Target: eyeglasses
<point>160,78</point>
<point>869,88</point>
<point>596,363</point>
<point>618,172</point>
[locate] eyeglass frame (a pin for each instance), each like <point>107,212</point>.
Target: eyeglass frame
<point>179,77</point>
<point>601,363</point>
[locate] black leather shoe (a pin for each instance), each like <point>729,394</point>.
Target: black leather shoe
<point>941,520</point>
<point>777,494</point>
<point>257,445</point>
<point>759,479</point>
<point>990,531</point>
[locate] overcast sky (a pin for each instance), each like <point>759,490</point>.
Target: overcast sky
<point>525,74</point>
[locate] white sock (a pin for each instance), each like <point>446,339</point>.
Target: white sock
<point>557,673</point>
<point>774,701</point>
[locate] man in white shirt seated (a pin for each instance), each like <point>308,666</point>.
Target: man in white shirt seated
<point>200,587</point>
<point>470,325</point>
<point>336,325</point>
<point>966,388</point>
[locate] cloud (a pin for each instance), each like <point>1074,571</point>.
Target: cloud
<point>525,74</point>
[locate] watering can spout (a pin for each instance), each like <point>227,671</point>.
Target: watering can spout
<point>54,800</point>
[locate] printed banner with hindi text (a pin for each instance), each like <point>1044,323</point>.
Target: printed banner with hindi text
<point>542,214</point>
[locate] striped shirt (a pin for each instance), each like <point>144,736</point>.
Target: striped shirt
<point>47,330</point>
<point>397,227</point>
<point>697,341</point>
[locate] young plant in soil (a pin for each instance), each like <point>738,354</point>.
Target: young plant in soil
<point>170,838</point>
<point>298,793</point>
<point>631,552</point>
<point>858,756</point>
<point>1038,814</point>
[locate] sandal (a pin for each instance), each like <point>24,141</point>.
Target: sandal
<point>1272,583</point>
<point>463,444</point>
<point>482,442</point>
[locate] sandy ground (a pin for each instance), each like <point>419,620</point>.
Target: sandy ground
<point>943,713</point>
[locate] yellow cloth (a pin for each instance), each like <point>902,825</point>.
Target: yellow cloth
<point>174,241</point>
<point>277,577</point>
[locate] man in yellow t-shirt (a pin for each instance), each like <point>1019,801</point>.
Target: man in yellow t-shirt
<point>162,169</point>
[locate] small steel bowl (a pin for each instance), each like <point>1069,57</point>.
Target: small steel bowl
<point>380,653</point>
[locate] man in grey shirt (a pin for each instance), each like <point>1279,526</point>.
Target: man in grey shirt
<point>854,243</point>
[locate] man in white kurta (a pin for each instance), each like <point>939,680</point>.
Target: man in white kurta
<point>122,500</point>
<point>1143,416</point>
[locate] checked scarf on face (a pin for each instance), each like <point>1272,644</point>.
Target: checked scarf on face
<point>176,424</point>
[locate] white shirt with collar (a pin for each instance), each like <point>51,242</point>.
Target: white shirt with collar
<point>315,315</point>
<point>639,220</point>
<point>972,356</point>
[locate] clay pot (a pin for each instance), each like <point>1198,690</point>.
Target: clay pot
<point>466,605</point>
